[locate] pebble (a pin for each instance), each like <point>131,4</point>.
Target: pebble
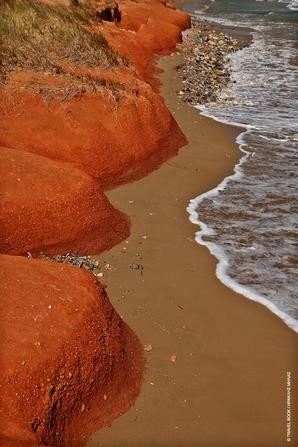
<point>68,258</point>
<point>108,266</point>
<point>204,73</point>
<point>137,267</point>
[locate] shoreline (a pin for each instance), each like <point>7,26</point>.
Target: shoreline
<point>218,363</point>
<point>216,251</point>
<point>212,359</point>
<point>244,36</point>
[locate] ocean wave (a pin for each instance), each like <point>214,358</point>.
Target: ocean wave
<point>293,5</point>
<point>215,249</point>
<point>260,79</point>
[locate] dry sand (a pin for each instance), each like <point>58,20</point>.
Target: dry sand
<point>227,385</point>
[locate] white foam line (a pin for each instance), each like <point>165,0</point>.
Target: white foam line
<point>223,261</point>
<point>293,5</point>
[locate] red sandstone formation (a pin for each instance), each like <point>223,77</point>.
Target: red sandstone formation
<point>113,140</point>
<point>134,14</point>
<point>68,362</point>
<point>146,28</point>
<point>116,135</point>
<point>49,205</point>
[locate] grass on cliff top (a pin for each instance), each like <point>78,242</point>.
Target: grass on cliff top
<point>40,37</point>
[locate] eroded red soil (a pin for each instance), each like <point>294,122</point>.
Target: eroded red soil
<point>66,356</point>
<point>115,136</point>
<point>112,140</point>
<point>69,363</point>
<point>49,205</point>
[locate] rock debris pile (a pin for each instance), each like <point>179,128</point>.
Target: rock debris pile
<point>205,72</point>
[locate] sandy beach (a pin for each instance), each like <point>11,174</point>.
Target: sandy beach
<point>99,265</point>
<point>216,373</point>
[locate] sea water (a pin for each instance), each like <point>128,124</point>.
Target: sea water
<point>250,221</point>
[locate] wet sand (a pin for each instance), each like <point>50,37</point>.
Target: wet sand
<point>227,385</point>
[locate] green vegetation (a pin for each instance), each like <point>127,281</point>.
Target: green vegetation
<point>41,37</point>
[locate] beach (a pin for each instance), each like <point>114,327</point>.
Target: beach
<point>116,331</point>
<point>217,371</point>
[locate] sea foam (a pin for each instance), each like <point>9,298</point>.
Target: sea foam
<point>248,221</point>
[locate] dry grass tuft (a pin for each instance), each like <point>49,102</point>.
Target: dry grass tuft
<point>40,37</point>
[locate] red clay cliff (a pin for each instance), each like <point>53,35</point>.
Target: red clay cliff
<point>69,363</point>
<point>115,137</point>
<point>51,206</point>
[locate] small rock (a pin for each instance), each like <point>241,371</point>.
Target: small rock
<point>148,348</point>
<point>108,267</point>
<point>137,267</point>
